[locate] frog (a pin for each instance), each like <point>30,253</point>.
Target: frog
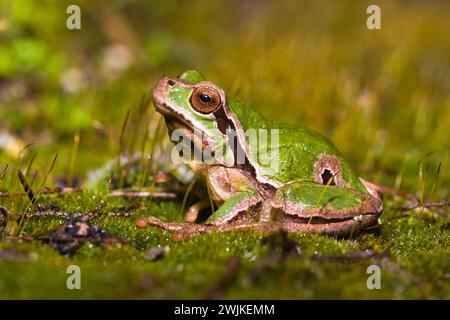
<point>304,184</point>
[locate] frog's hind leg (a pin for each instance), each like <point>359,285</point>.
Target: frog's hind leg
<point>236,213</point>
<point>312,208</point>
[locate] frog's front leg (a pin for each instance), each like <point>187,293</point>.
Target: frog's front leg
<point>237,212</point>
<point>238,209</point>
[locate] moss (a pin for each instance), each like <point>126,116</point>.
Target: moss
<point>380,96</point>
<point>417,265</point>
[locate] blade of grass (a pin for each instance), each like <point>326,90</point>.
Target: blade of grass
<point>441,172</point>
<point>399,177</point>
<point>30,164</point>
<point>3,174</point>
<point>321,195</point>
<point>185,197</point>
<point>31,206</point>
<point>72,159</point>
<point>150,131</point>
<point>121,148</point>
<point>27,189</point>
<point>211,202</point>
<point>140,116</point>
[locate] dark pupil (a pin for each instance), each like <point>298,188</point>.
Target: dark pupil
<point>205,98</point>
<point>326,176</point>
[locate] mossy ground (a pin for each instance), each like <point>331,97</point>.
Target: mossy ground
<point>411,252</point>
<point>382,96</point>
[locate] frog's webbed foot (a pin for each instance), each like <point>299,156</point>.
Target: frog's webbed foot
<point>180,231</point>
<point>183,231</point>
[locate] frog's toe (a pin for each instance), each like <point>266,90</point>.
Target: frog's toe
<point>179,231</point>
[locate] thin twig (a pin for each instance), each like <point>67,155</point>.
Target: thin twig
<point>423,205</point>
<point>142,194</point>
<point>64,214</point>
<point>398,193</point>
<point>114,193</point>
<point>98,209</point>
<point>44,191</point>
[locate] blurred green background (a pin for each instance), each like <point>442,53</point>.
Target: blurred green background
<point>382,96</point>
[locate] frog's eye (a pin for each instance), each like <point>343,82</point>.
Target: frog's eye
<point>205,99</point>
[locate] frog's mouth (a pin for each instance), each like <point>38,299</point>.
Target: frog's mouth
<point>174,120</point>
<point>326,220</point>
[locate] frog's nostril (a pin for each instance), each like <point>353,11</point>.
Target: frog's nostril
<point>170,82</point>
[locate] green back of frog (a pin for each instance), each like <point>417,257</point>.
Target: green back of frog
<point>297,151</point>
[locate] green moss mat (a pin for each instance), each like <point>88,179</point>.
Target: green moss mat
<point>412,252</point>
<point>382,96</point>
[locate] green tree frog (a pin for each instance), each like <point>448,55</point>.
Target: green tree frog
<point>263,175</point>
